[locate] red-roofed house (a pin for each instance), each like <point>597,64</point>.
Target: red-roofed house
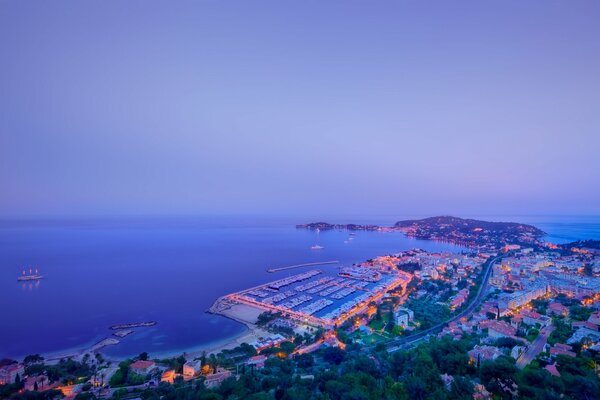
<point>142,367</point>
<point>558,309</point>
<point>498,329</point>
<point>532,318</point>
<point>564,349</point>
<point>257,361</point>
<point>552,369</point>
<point>484,353</point>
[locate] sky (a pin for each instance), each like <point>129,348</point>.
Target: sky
<point>299,108</point>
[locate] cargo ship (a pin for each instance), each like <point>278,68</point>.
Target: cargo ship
<point>31,276</point>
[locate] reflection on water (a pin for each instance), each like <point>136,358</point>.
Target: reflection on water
<point>31,285</point>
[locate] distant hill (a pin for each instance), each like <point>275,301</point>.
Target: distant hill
<point>323,226</point>
<point>471,232</point>
<point>462,231</point>
<point>583,244</point>
<point>447,223</point>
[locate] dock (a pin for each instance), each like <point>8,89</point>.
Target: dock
<point>301,265</point>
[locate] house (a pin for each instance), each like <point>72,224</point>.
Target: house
<point>142,367</point>
<point>515,321</point>
<point>558,309</point>
<point>584,324</point>
<point>595,318</point>
<point>403,316</point>
<point>564,349</point>
<point>192,368</point>
<point>459,299</point>
<point>215,380</point>
<point>533,318</point>
<point>270,341</point>
<point>516,351</point>
<point>168,376</point>
<point>498,329</point>
<point>257,361</point>
<point>551,368</point>
<point>483,353</point>
<point>585,333</point>
<point>9,373</point>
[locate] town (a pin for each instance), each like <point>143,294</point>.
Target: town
<point>503,313</point>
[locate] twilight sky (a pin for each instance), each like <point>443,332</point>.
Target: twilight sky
<point>299,107</point>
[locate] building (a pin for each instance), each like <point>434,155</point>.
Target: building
<point>403,316</point>
<point>533,318</point>
<point>585,333</point>
<point>257,361</point>
<point>499,329</point>
<point>142,367</point>
<point>9,373</point>
<point>459,299</point>
<point>215,380</point>
<point>558,309</point>
<point>483,353</point>
<point>564,349</point>
<point>168,376</point>
<point>192,368</point>
<point>270,341</point>
<point>520,298</point>
<point>595,318</point>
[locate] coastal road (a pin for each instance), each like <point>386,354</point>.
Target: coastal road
<point>535,348</point>
<point>394,345</point>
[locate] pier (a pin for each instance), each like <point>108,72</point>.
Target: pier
<point>301,265</point>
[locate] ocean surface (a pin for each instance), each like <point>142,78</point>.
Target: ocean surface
<point>170,270</point>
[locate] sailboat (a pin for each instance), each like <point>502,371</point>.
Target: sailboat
<point>32,276</point>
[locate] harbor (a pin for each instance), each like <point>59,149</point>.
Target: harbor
<point>318,298</point>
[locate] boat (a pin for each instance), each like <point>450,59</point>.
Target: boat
<point>31,276</point>
<point>316,247</point>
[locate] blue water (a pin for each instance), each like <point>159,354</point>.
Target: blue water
<point>100,273</point>
<point>103,272</point>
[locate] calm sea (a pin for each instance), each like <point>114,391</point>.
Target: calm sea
<point>102,272</point>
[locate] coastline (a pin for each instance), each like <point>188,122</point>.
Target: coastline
<point>242,314</point>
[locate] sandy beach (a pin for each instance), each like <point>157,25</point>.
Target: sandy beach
<point>238,312</point>
<point>241,313</point>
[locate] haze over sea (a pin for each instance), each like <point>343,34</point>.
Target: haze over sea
<point>99,272</point>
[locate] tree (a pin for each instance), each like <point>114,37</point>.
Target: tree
<point>33,359</point>
<point>143,356</point>
<point>461,388</point>
<point>333,355</point>
<point>305,360</point>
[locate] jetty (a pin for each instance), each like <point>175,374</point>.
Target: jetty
<point>133,325</point>
<point>302,265</point>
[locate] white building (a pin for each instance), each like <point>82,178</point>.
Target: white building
<point>403,316</point>
<point>192,368</point>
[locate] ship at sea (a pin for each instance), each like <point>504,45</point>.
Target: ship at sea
<point>32,276</point>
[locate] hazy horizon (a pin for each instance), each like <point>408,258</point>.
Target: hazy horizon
<point>300,109</point>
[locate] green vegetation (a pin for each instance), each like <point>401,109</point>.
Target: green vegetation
<point>562,331</point>
<point>428,313</point>
<point>579,313</point>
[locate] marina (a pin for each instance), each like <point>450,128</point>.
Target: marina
<point>319,298</point>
